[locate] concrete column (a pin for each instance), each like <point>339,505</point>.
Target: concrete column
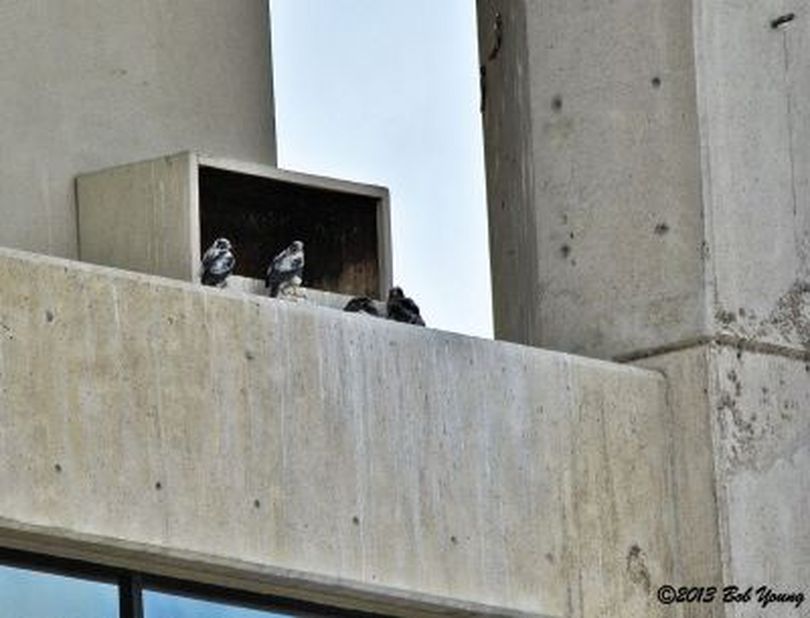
<point>87,85</point>
<point>649,198</point>
<point>648,172</point>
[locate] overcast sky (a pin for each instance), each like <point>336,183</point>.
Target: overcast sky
<point>386,92</point>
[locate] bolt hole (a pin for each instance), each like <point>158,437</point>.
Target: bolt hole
<point>782,20</point>
<point>158,485</point>
<point>57,467</point>
<point>557,103</point>
<point>656,82</point>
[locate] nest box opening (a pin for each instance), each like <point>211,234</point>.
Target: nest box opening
<point>261,216</point>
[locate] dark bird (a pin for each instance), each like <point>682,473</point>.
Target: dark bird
<point>362,304</point>
<point>217,263</point>
<point>286,270</point>
<point>403,309</point>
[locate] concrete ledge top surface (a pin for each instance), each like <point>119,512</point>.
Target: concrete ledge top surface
<point>239,292</point>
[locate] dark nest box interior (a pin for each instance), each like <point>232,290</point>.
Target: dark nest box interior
<point>344,226</point>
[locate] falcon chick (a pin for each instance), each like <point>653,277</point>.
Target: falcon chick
<point>403,309</point>
<point>217,263</point>
<point>362,304</point>
<point>286,270</point>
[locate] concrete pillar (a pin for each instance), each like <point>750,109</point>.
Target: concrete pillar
<point>648,170</point>
<point>87,85</point>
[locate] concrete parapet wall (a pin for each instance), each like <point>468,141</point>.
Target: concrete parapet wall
<point>215,423</point>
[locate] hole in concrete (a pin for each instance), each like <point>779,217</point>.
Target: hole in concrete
<point>556,103</point>
<point>257,503</point>
<point>662,228</point>
<point>249,355</point>
<point>782,20</point>
<point>57,467</point>
<point>356,520</point>
<point>454,540</point>
<point>49,316</point>
<point>565,251</point>
<point>158,486</point>
<point>656,82</point>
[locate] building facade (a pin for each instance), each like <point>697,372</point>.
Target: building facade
<point>646,176</point>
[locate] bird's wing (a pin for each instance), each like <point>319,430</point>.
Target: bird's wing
<point>409,305</point>
<point>223,265</point>
<point>209,256</point>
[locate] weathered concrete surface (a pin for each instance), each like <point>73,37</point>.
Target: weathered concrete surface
<point>649,174</point>
<point>87,85</point>
<point>695,483</point>
<point>761,425</point>
<point>214,423</point>
<point>742,470</point>
<point>594,190</point>
<point>754,84</point>
<point>507,117</point>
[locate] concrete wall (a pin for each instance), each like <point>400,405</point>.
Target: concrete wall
<point>762,428</point>
<point>742,468</point>
<point>223,427</point>
<point>87,85</point>
<point>754,82</point>
<point>662,195</point>
<point>664,188</point>
<point>598,212</point>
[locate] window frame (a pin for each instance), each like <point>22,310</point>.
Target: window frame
<point>132,584</point>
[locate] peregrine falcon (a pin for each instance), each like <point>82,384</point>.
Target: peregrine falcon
<point>286,270</point>
<point>362,304</point>
<point>403,309</point>
<point>217,263</point>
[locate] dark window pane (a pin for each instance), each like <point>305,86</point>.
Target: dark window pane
<point>32,594</point>
<point>160,605</point>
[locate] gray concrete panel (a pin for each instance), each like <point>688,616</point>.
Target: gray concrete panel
<point>604,201</point>
<point>214,423</point>
<point>86,85</point>
<point>761,420</point>
<point>755,130</point>
<point>741,443</point>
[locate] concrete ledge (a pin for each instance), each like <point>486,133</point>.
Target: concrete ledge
<point>231,429</point>
<point>236,574</point>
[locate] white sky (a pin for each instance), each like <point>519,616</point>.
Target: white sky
<point>386,92</point>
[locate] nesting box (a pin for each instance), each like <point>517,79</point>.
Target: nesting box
<point>158,216</point>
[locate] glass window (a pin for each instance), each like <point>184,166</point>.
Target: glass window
<point>160,605</point>
<point>33,594</point>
